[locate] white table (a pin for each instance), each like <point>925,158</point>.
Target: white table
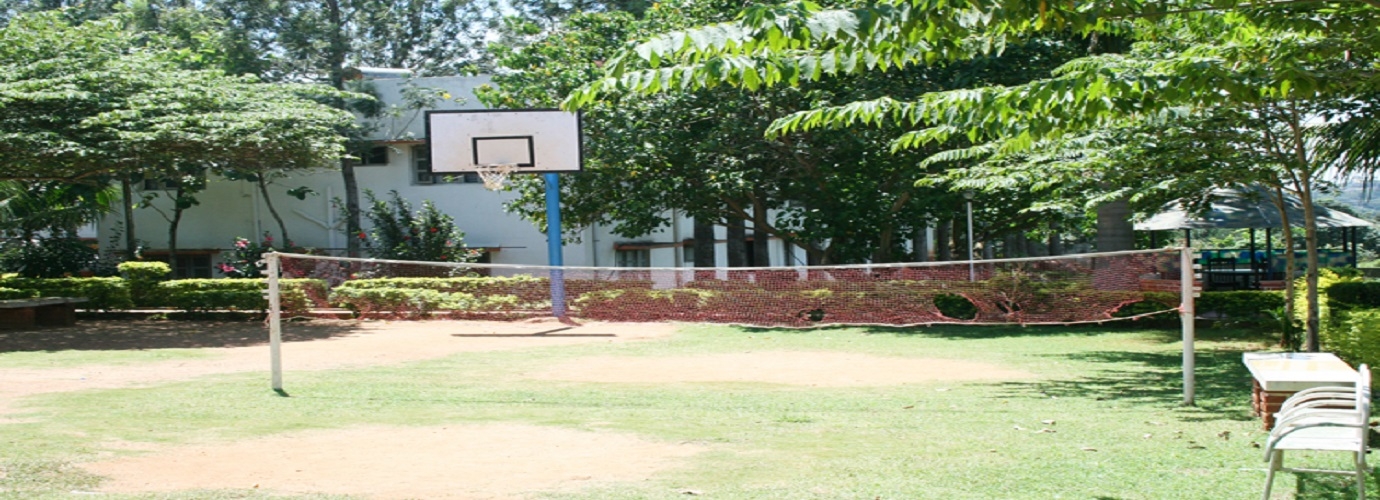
<point>1279,375</point>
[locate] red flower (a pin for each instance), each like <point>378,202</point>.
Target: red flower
<point>362,235</point>
<point>433,229</point>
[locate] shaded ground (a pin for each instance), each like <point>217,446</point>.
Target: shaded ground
<point>143,334</point>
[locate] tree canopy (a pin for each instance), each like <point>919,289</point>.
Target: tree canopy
<point>85,100</point>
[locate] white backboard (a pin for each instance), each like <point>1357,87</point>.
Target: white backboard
<point>536,140</point>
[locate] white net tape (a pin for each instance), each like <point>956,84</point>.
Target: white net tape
<point>494,176</point>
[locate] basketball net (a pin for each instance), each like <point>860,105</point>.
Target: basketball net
<point>495,176</point>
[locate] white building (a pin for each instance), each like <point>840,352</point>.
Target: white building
<point>230,209</point>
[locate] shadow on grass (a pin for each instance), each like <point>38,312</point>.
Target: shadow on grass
<point>136,335</point>
<point>1322,486</point>
<point>1222,384</point>
<point>1168,333</point>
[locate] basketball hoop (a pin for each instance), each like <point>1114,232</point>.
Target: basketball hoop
<point>494,176</point>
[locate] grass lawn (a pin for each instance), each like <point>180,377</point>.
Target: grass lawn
<point>1101,419</point>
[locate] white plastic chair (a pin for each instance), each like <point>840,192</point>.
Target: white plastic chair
<point>1323,419</point>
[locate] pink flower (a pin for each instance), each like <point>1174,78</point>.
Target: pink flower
<point>241,243</point>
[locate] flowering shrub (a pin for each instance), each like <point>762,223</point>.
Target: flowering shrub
<point>245,260</point>
<point>398,233</point>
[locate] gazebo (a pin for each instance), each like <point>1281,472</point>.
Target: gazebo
<point>1249,208</point>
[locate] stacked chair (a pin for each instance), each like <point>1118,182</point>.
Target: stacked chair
<point>1323,419</point>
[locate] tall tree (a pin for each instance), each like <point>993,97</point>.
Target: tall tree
<point>1290,56</point>
<point>298,40</point>
<point>840,195</point>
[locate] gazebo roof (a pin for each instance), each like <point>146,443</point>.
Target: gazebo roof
<point>1243,209</point>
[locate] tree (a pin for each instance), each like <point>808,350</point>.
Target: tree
<point>82,103</point>
<point>298,40</point>
<point>1294,58</point>
<point>840,195</point>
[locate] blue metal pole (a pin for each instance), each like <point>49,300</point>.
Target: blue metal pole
<point>553,243</point>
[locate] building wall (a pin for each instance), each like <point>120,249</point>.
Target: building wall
<point>231,209</point>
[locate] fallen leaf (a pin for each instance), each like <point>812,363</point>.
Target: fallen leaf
<point>1225,435</point>
<point>1089,448</point>
<point>1045,430</point>
<point>1047,422</point>
<point>907,407</point>
<point>1017,427</point>
<point>1147,436</point>
<point>691,492</point>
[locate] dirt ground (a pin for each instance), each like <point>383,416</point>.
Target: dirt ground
<point>469,461</point>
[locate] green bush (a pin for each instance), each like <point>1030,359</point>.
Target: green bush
<point>239,294</point>
<point>419,302</point>
<point>955,306</point>
<point>1355,337</point>
<point>14,293</point>
<point>1246,305</point>
<point>200,295</point>
<point>1354,295</point>
<point>143,279</point>
<point>1327,278</point>
<point>104,294</point>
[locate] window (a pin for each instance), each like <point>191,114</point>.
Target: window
<point>189,265</point>
<point>633,258</point>
<point>421,170</point>
<point>376,155</point>
<point>688,252</point>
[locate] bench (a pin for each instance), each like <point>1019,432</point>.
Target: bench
<point>45,311</point>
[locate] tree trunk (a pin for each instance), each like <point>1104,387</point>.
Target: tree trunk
<point>1310,240</point>
<point>1290,292</point>
<point>921,245</point>
<point>172,234</point>
<point>704,243</point>
<point>1056,243</point>
<point>282,228</point>
<point>1115,232</point>
<point>737,243</point>
<point>131,241</point>
<point>335,59</point>
<point>761,239</point>
<point>943,239</point>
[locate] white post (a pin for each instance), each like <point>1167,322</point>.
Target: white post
<point>1186,315</point>
<point>275,322</point>
<point>972,273</point>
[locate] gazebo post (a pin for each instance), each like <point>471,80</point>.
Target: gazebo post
<point>1269,254</point>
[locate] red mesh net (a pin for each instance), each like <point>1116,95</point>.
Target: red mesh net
<point>1062,290</point>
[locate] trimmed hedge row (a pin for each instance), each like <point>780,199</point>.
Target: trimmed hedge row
<point>14,293</point>
<point>197,295</point>
<point>105,294</point>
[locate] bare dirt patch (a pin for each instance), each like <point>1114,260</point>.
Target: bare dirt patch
<point>479,461</point>
<point>816,369</point>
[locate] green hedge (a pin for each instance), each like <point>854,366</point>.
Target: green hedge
<point>1240,305</point>
<point>14,293</point>
<point>422,302</point>
<point>106,294</point>
<point>1354,294</point>
<point>143,279</point>
<point>1354,337</point>
<point>238,294</point>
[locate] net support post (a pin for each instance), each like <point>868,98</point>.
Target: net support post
<point>275,320</point>
<point>1186,315</point>
<point>553,243</point>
